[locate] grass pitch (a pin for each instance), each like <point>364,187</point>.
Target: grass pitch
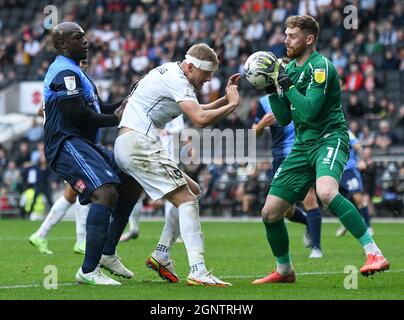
<point>237,252</point>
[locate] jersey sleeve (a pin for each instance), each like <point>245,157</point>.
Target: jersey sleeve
<point>321,74</point>
<point>67,84</point>
<point>181,90</point>
<point>308,105</point>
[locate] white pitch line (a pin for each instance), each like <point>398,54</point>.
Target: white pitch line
<point>66,284</point>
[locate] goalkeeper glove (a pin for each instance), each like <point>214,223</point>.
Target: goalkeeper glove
<point>268,65</point>
<point>271,88</point>
<point>283,81</point>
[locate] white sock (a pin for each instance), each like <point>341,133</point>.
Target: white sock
<point>81,221</point>
<point>55,214</point>
<point>371,248</point>
<point>135,216</point>
<point>284,268</point>
<point>191,233</point>
<point>172,210</point>
<point>169,233</point>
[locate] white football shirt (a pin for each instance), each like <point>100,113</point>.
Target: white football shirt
<point>154,102</point>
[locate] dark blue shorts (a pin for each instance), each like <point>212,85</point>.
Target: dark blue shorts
<point>86,167</point>
<point>351,182</point>
<point>276,162</point>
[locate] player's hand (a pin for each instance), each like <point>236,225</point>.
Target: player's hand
<point>268,119</point>
<point>269,65</point>
<point>282,81</point>
<point>233,80</point>
<point>232,95</point>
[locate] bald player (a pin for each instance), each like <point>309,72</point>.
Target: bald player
<point>73,115</point>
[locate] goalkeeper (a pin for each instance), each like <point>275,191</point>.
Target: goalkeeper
<point>308,92</point>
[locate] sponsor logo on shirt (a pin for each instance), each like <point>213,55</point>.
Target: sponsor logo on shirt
<point>319,75</point>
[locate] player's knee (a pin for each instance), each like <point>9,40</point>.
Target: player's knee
<point>268,214</point>
<point>326,194</point>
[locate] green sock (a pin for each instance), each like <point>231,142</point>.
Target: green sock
<point>283,259</point>
<point>348,215</point>
<point>278,239</point>
<point>366,239</point>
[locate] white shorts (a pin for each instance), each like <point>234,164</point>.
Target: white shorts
<point>145,159</point>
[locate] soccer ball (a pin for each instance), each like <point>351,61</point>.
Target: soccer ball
<point>252,71</point>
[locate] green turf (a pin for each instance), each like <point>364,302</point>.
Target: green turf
<point>237,252</point>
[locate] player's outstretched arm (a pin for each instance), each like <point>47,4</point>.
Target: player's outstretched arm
<point>202,118</point>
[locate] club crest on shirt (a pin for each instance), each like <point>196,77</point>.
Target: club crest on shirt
<point>70,83</point>
<point>319,75</point>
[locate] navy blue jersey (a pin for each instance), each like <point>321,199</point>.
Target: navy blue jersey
<point>282,137</point>
<point>65,80</point>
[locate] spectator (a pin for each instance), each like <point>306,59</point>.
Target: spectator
<point>373,46</point>
<point>354,80</point>
<point>41,178</point>
<point>355,107</point>
<point>366,137</point>
<point>390,62</point>
<point>3,163</point>
<point>385,138</point>
<point>23,156</point>
<point>388,36</point>
<point>138,18</point>
<point>373,108</point>
<point>35,133</point>
<point>12,177</point>
<point>248,192</point>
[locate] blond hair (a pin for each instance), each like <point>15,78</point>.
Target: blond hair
<point>204,52</point>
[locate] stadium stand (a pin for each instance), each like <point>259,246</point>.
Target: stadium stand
<point>128,38</point>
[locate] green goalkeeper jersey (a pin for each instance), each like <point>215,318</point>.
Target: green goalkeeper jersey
<point>313,103</point>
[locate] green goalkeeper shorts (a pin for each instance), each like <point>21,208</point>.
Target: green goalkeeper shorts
<point>304,166</point>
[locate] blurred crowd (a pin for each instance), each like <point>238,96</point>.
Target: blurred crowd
<point>128,38</point>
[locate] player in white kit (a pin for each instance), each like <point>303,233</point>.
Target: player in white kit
<point>162,95</point>
<point>172,128</point>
